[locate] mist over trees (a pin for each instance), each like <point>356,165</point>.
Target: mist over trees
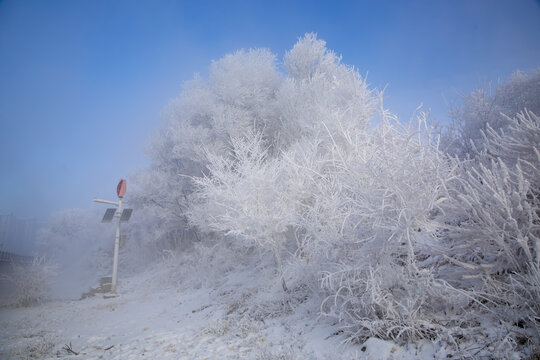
<point>490,107</point>
<point>392,229</point>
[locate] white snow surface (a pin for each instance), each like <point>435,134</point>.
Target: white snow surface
<point>149,321</point>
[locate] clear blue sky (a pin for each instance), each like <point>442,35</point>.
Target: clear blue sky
<point>82,83</point>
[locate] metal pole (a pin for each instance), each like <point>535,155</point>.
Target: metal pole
<point>116,246</point>
<point>106,201</point>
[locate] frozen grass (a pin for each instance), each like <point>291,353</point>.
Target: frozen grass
<point>31,282</point>
<point>188,321</point>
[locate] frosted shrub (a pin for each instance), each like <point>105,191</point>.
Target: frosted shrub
<point>498,231</point>
<point>497,201</point>
<point>248,200</point>
<point>32,281</point>
<point>494,237</point>
<point>483,108</point>
<point>518,144</point>
<point>34,347</point>
<point>370,218</point>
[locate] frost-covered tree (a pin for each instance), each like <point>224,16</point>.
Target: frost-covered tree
<point>397,239</point>
<point>337,192</point>
<point>321,94</point>
<point>248,190</point>
<point>237,99</point>
<point>246,94</point>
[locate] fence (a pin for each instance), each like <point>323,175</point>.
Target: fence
<point>8,257</point>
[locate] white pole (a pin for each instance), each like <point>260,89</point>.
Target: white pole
<point>116,246</point>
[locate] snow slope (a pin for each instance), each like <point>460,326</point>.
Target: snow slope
<point>148,320</point>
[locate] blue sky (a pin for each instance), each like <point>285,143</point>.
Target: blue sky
<point>82,83</point>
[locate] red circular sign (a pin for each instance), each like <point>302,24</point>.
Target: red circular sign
<point>121,188</point>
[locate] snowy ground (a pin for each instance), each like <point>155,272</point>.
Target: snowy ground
<point>146,320</point>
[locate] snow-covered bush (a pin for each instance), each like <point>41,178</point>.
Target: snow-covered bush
<point>493,235</point>
<point>244,198</point>
<point>497,219</point>
<point>371,220</point>
<point>517,145</point>
<point>38,346</point>
<point>32,281</point>
<point>483,107</point>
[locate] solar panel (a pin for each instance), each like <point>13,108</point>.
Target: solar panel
<point>109,214</point>
<point>126,215</point>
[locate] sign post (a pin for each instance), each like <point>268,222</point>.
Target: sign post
<point>123,216</point>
